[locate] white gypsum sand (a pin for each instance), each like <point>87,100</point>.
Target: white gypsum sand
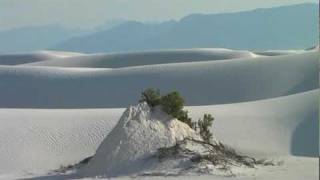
<point>79,132</point>
<point>201,83</point>
<point>264,107</point>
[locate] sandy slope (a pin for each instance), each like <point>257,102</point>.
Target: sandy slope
<point>37,139</point>
<point>202,83</point>
<point>295,168</point>
<point>276,127</point>
<point>45,139</point>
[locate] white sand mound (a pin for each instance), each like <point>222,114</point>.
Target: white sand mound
<point>138,134</point>
<point>118,60</point>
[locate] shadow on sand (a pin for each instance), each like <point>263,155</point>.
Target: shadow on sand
<point>305,138</point>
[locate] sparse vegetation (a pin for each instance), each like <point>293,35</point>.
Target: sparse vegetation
<point>64,169</point>
<point>204,125</point>
<point>216,154</point>
<point>151,96</point>
<point>173,103</point>
<point>184,117</point>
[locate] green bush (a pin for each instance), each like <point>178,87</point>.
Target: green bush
<point>151,96</point>
<point>172,104</point>
<point>184,117</point>
<point>204,125</point>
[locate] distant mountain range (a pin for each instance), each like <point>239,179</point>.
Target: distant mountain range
<point>32,38</point>
<point>290,27</point>
<point>287,27</point>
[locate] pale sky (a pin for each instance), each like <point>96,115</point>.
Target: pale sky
<point>92,13</point>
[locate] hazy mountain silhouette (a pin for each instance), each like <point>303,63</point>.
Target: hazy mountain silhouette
<point>33,38</point>
<point>287,27</point>
<point>26,39</point>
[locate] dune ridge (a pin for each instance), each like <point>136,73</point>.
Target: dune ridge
<point>218,82</point>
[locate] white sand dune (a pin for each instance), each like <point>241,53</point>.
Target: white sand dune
<point>276,127</point>
<point>43,139</point>
<point>264,106</point>
<point>117,60</point>
<point>16,59</point>
<point>201,83</point>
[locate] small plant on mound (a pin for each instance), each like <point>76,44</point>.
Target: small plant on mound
<point>173,103</point>
<point>151,96</point>
<point>204,125</point>
<point>184,117</point>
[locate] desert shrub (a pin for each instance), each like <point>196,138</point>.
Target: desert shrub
<point>204,127</point>
<point>172,104</point>
<point>184,117</point>
<point>151,96</point>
